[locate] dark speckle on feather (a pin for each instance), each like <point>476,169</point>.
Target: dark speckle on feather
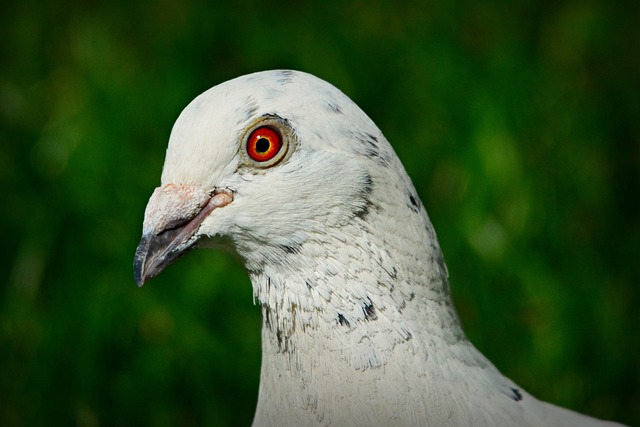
<point>286,77</point>
<point>415,203</point>
<point>290,249</point>
<point>343,321</point>
<point>365,192</point>
<point>517,396</point>
<point>333,108</point>
<point>371,149</point>
<point>282,343</point>
<point>367,186</point>
<point>369,311</point>
<point>267,315</point>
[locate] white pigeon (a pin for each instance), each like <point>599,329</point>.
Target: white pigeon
<point>359,328</point>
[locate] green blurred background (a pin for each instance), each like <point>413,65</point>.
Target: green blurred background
<point>519,122</point>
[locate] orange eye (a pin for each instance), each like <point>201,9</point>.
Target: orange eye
<point>264,144</point>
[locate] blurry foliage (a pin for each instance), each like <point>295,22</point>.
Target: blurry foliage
<point>518,121</point>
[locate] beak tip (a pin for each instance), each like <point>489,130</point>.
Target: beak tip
<point>153,255</point>
<point>139,262</point>
<point>139,280</point>
<point>137,274</point>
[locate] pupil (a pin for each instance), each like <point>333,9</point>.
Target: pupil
<point>262,145</point>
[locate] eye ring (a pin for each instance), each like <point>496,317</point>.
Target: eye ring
<point>267,141</point>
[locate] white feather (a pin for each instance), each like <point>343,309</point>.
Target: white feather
<point>359,326</point>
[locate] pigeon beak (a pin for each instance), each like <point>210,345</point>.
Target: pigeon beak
<point>155,253</point>
<point>173,216</point>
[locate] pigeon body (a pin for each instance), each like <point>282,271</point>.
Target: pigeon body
<point>358,323</point>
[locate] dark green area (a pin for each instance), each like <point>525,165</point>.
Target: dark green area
<point>519,122</point>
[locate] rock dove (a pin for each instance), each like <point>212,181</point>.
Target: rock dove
<point>359,328</point>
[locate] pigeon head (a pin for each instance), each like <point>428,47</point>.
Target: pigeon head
<point>267,160</point>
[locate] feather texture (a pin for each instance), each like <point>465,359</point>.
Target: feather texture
<point>358,323</point>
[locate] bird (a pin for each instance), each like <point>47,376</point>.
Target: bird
<point>358,323</point>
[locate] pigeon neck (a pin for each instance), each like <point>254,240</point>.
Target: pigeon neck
<point>359,310</point>
<point>394,287</point>
<point>338,335</point>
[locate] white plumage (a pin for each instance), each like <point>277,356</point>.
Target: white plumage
<point>358,323</point>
